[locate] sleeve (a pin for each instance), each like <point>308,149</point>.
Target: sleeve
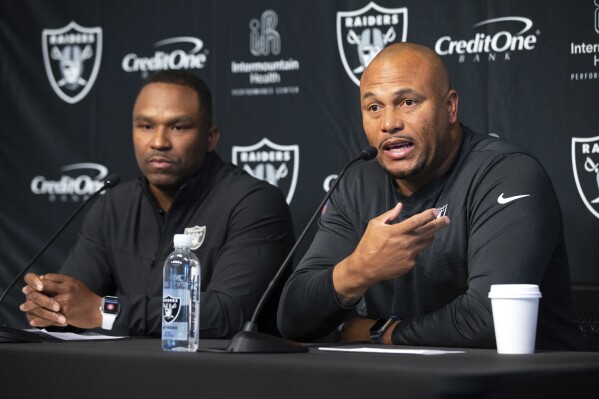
<point>259,237</point>
<point>93,261</point>
<point>309,308</point>
<point>88,260</point>
<point>509,241</point>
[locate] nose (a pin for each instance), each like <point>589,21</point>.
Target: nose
<point>391,122</point>
<point>160,139</point>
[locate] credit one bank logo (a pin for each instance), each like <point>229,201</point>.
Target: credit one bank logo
<point>512,34</point>
<point>77,182</point>
<point>183,52</point>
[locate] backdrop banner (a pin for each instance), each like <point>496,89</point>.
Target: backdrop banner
<point>284,76</point>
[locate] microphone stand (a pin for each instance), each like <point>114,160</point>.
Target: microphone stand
<point>249,340</point>
<point>9,334</point>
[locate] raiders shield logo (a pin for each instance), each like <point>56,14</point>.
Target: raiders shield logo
<point>274,163</point>
<point>197,233</point>
<point>363,33</point>
<point>585,165</point>
<point>72,57</point>
<point>442,211</point>
<point>170,308</point>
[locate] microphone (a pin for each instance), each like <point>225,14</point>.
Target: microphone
<point>8,334</point>
<point>249,340</point>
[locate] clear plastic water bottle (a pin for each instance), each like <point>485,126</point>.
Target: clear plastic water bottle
<point>181,298</point>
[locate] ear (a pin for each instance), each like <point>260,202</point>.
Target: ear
<point>213,137</point>
<point>451,102</point>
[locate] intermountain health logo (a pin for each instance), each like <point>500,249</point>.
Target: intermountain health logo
<point>264,38</point>
<point>266,76</point>
<point>72,56</point>
<point>588,50</point>
<point>277,164</point>
<point>363,33</point>
<point>585,165</point>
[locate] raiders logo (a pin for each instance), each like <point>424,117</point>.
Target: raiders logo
<point>197,233</point>
<point>363,33</point>
<point>585,165</point>
<point>170,308</point>
<point>274,163</point>
<point>72,57</point>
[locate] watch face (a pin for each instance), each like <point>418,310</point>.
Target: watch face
<point>111,305</point>
<point>378,325</point>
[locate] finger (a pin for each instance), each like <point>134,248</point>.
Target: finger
<point>29,306</point>
<point>28,289</point>
<point>56,278</point>
<point>392,214</point>
<point>34,281</point>
<point>48,316</point>
<point>412,223</point>
<point>54,288</point>
<point>40,322</point>
<point>434,226</point>
<point>43,301</point>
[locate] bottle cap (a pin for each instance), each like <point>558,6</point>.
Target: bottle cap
<point>182,240</point>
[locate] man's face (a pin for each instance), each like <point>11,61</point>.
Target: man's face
<point>170,135</point>
<point>406,115</point>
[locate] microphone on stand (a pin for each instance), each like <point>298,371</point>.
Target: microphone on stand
<point>9,334</point>
<point>249,340</point>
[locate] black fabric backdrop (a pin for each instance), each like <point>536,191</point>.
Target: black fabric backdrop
<point>283,76</point>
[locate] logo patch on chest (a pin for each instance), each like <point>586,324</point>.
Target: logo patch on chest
<point>197,233</point>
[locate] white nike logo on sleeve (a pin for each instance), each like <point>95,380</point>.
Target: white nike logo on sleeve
<point>503,200</point>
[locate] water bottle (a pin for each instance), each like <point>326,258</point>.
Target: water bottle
<point>181,298</point>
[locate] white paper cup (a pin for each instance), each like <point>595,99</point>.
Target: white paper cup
<point>515,310</point>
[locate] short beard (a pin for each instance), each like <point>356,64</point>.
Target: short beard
<point>406,175</point>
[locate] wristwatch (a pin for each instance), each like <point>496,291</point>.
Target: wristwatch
<point>379,327</point>
<point>110,309</point>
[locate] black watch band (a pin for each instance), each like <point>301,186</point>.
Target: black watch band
<point>380,327</point>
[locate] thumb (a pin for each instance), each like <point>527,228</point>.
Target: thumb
<point>392,214</point>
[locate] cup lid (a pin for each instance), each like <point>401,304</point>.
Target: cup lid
<point>515,291</point>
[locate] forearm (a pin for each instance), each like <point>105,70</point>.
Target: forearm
<point>349,285</point>
<point>309,309</point>
<point>465,322</point>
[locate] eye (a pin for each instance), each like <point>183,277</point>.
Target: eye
<point>409,102</point>
<point>179,128</point>
<point>144,126</point>
<point>374,108</point>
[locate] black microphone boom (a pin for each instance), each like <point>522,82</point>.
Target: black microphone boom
<point>249,340</point>
<point>8,334</point>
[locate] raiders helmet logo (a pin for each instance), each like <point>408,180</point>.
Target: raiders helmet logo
<point>72,57</point>
<point>585,166</point>
<point>363,33</point>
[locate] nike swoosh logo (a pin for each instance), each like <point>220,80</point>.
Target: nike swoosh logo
<point>502,200</point>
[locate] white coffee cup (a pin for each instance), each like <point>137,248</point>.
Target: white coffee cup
<point>515,310</point>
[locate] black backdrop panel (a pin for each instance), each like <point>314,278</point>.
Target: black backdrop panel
<point>283,77</point>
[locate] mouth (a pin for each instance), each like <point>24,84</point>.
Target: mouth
<point>160,162</point>
<point>398,149</point>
